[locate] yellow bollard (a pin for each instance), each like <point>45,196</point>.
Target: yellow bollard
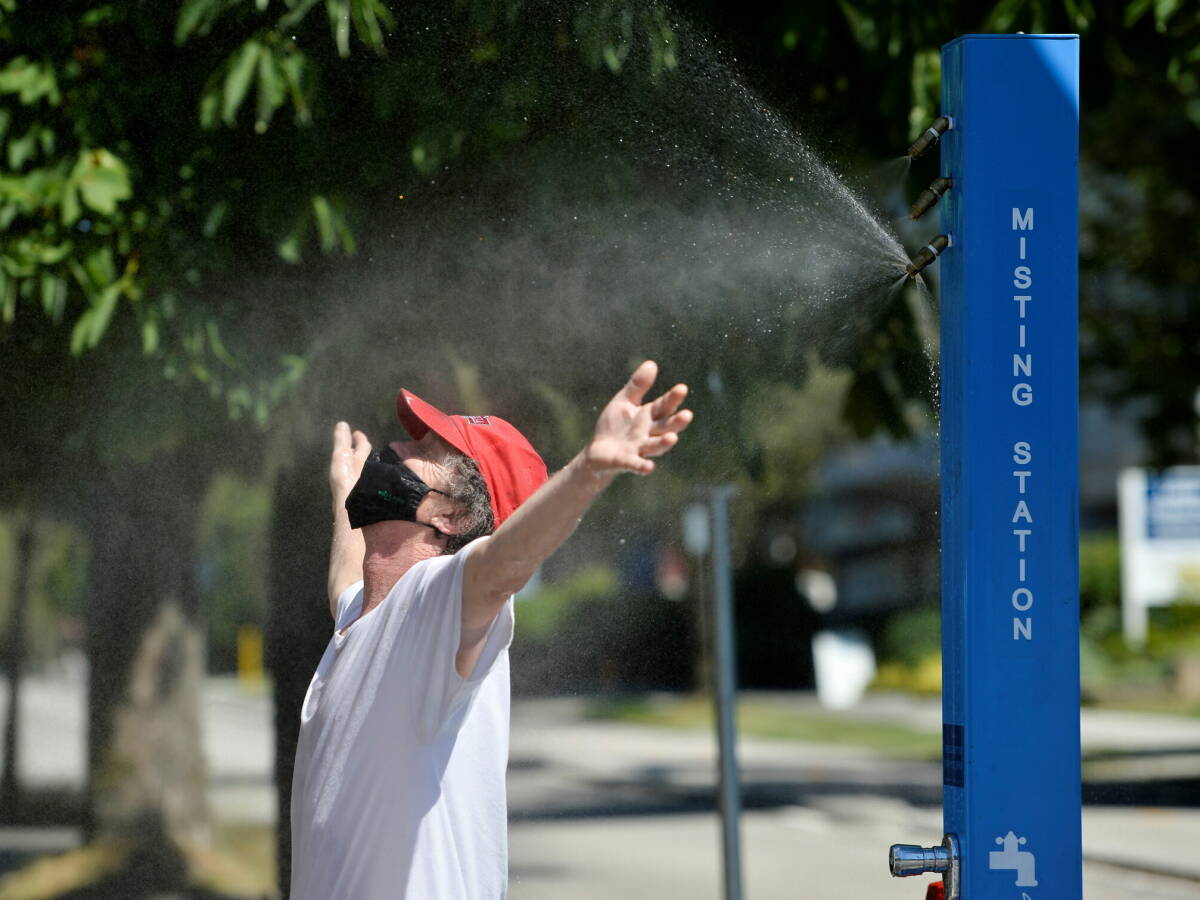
<point>250,656</point>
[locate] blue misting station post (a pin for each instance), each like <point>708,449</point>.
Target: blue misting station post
<point>1009,471</point>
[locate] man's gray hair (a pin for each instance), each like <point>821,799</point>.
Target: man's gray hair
<point>469,493</point>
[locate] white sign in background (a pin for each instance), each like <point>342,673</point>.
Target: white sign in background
<point>1160,543</point>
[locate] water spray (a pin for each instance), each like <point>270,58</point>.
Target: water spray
<point>929,137</point>
<point>929,196</point>
<point>928,254</point>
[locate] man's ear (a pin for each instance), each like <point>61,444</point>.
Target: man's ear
<point>447,521</point>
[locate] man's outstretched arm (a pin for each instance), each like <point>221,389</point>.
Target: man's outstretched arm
<point>629,433</point>
<point>347,548</point>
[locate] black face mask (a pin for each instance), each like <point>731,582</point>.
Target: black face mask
<point>387,491</point>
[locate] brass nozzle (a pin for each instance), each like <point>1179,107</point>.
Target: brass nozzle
<point>927,254</point>
<point>929,137</point>
<point>929,196</point>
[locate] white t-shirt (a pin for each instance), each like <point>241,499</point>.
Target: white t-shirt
<point>399,783</point>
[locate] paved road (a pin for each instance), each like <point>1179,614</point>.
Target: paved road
<point>794,853</point>
<point>606,809</point>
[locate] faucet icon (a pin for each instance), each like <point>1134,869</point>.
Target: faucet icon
<point>1011,857</point>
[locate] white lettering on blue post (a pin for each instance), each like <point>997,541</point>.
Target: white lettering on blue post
<point>1022,523</point>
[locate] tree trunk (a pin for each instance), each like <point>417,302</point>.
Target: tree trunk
<point>11,800</point>
<point>146,768</point>
<point>299,626</point>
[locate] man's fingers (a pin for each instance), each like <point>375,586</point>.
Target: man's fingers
<point>362,447</point>
<point>341,436</point>
<point>669,402</point>
<point>675,423</point>
<point>657,446</point>
<point>638,464</point>
<point>640,381</point>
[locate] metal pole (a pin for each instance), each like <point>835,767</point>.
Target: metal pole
<point>725,694</point>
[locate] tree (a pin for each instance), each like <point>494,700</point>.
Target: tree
<point>14,663</point>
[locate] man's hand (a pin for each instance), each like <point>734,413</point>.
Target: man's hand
<point>350,452</point>
<point>347,547</point>
<point>629,432</point>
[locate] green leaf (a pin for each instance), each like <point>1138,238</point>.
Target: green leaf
<point>238,78</point>
<point>862,25</point>
<point>103,313</point>
<point>272,90</point>
<point>94,18</point>
<point>22,149</point>
<point>326,231</point>
<point>46,141</point>
<point>289,247</point>
<point>52,254</point>
<point>100,268</point>
<point>239,401</point>
<point>218,345</point>
<point>210,105</point>
<point>8,297</point>
<point>299,11</point>
<point>31,81</point>
<point>370,18</point>
<point>80,332</point>
<point>332,231</point>
<point>150,336</point>
<point>1163,10</point>
<point>69,209</point>
<point>1135,10</point>
<point>101,179</point>
<point>54,296</point>
<point>94,321</point>
<point>1003,16</point>
<point>613,58</point>
<point>216,215</point>
<point>294,68</point>
<point>196,17</point>
<point>339,19</point>
<point>1082,13</point>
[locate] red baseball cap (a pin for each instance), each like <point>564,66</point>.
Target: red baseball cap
<point>510,466</point>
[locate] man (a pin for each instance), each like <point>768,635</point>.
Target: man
<point>399,782</point>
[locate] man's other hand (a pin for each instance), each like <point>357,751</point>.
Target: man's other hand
<point>629,432</point>
<point>350,452</point>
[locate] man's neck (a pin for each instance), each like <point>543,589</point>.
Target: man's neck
<point>392,549</point>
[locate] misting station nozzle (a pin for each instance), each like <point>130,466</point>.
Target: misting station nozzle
<point>930,136</point>
<point>929,197</point>
<point>928,254</point>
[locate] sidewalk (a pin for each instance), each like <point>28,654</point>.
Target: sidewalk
<point>793,853</point>
<point>643,796</point>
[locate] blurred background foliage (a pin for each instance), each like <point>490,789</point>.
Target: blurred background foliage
<point>234,528</point>
<point>57,581</point>
<point>195,197</point>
